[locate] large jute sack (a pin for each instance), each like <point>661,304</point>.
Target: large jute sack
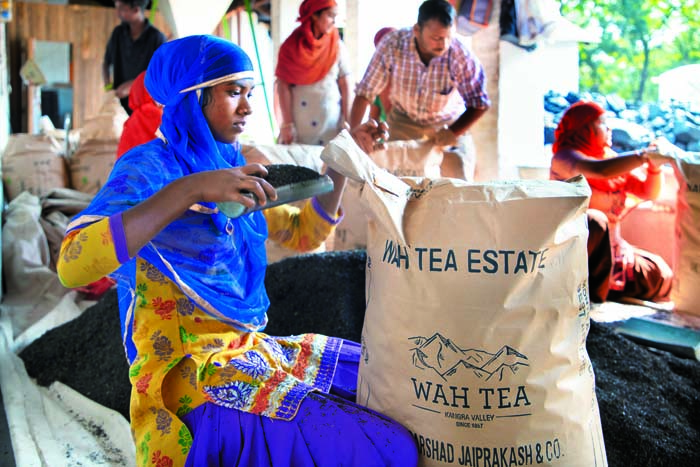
<point>33,163</point>
<point>57,208</point>
<point>412,158</point>
<point>477,316</point>
<point>686,285</point>
<point>108,123</point>
<point>304,155</point>
<point>91,164</point>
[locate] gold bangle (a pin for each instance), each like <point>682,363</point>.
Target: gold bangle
<point>287,125</point>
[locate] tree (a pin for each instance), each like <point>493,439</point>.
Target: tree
<point>640,39</point>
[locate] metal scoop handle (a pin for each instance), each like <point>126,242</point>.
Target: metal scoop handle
<point>285,194</point>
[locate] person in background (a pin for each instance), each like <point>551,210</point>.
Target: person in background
<point>209,388</point>
<point>438,87</point>
<point>382,104</point>
<point>129,49</point>
<point>312,87</point>
<point>142,125</point>
<point>582,146</point>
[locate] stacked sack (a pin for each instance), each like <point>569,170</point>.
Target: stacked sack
<point>33,163</point>
<point>94,158</point>
<point>685,292</point>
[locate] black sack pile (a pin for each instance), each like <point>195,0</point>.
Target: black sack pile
<point>649,400</point>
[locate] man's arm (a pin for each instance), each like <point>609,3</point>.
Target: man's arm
<point>344,88</point>
<point>471,85</point>
<point>106,75</point>
<point>108,58</point>
<point>466,120</point>
<point>358,111</point>
<point>283,97</point>
<point>448,136</point>
<point>373,82</point>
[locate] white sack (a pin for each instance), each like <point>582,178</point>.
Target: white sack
<point>413,158</point>
<point>477,316</point>
<point>33,289</point>
<point>686,284</point>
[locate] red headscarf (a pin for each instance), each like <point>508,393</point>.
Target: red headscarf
<point>141,126</point>
<point>303,59</point>
<point>381,33</point>
<point>576,132</point>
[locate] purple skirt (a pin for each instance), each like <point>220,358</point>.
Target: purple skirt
<point>328,430</point>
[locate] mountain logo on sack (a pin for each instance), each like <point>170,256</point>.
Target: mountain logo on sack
<point>448,359</point>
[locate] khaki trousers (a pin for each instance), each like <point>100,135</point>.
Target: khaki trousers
<point>459,161</point>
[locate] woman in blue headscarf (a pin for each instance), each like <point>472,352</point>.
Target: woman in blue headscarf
<point>208,388</point>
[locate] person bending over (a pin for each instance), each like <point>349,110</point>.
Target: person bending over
<point>438,87</point>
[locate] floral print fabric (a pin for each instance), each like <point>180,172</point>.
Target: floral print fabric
<point>187,357</point>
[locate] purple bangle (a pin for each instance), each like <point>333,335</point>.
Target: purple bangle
<point>117,229</point>
<point>324,215</point>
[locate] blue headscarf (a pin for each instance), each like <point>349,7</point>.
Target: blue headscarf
<point>217,262</point>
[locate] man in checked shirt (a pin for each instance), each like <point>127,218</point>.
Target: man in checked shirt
<point>438,87</point>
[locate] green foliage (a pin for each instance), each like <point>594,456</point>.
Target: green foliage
<point>640,39</point>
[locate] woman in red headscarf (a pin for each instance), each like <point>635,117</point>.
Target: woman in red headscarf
<point>582,146</point>
<point>143,123</point>
<point>312,90</point>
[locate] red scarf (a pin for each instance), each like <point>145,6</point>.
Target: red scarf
<point>303,59</point>
<point>576,132</point>
<point>141,126</point>
<point>381,33</point>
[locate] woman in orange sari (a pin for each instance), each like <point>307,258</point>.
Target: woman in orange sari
<point>312,89</point>
<point>582,146</point>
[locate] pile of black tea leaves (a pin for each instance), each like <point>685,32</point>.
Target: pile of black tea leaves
<point>86,354</point>
<point>649,399</point>
<point>285,174</point>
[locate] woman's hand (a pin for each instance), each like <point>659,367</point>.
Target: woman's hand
<point>662,151</point>
<point>371,136</point>
<point>288,134</point>
<point>233,185</point>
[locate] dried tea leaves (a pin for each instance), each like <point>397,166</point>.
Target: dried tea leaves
<point>285,174</point>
